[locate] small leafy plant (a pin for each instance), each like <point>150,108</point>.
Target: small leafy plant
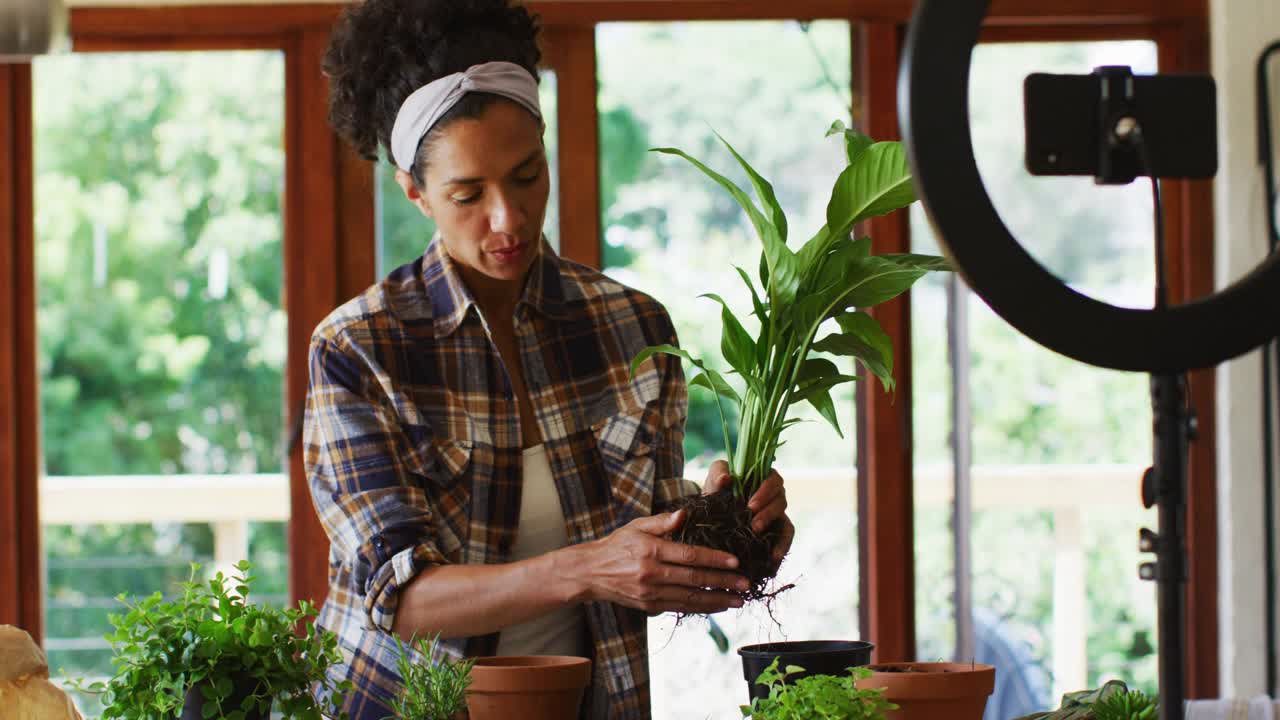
<point>1112,701</point>
<point>1131,705</point>
<point>828,282</point>
<point>432,690</point>
<point>817,696</point>
<point>210,638</point>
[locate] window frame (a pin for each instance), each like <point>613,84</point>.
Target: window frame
<point>330,253</point>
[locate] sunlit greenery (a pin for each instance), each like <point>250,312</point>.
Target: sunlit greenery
<point>161,330</point>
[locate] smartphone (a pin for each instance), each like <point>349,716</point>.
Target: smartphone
<point>1066,127</point>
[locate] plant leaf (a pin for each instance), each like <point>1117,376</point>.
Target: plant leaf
<point>716,383</point>
<point>821,400</point>
<point>862,338</point>
<point>652,350</point>
<point>874,280</point>
<point>756,304</point>
<point>878,183</point>
<point>816,378</point>
<point>762,313</point>
<point>735,343</point>
<point>855,143</point>
<point>928,263</point>
<point>781,278</point>
<point>762,225</point>
<point>764,191</point>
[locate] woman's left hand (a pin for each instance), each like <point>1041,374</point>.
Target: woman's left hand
<point>768,504</point>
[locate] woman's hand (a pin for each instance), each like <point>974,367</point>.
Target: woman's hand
<point>637,567</point>
<point>768,505</point>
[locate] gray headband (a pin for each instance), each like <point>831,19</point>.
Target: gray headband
<point>424,108</point>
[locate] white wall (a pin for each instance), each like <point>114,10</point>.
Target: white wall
<point>1240,29</point>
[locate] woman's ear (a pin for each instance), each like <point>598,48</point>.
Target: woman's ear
<point>412,193</point>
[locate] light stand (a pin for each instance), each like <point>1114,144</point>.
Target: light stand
<point>1165,341</point>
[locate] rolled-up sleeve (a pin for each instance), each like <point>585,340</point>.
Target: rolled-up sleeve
<point>373,508</point>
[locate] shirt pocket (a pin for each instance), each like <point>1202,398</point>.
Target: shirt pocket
<point>626,442</point>
<point>444,462</point>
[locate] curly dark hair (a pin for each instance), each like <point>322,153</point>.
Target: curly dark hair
<point>381,51</point>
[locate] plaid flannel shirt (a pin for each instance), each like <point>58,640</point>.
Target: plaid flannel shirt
<point>413,450</point>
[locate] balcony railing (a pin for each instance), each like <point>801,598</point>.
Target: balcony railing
<point>228,503</point>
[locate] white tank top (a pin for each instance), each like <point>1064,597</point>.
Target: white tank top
<point>540,530</point>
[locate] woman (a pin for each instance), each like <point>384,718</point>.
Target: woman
<point>483,462</point>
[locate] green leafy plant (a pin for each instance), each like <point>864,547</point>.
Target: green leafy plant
<point>816,696</point>
<point>1112,701</point>
<point>1131,705</point>
<point>832,277</point>
<point>211,638</point>
<point>432,690</point>
<point>828,282</point>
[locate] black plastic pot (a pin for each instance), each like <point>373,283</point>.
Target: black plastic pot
<point>817,657</point>
<point>193,706</point>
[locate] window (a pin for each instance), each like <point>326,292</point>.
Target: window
<point>337,221</point>
<point>673,234</point>
<point>1058,448</point>
<point>161,330</point>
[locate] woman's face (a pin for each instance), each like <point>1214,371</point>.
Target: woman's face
<point>486,188</point>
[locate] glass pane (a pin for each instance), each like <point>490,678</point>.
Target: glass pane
<point>161,330</point>
<point>403,232</point>
<point>671,233</point>
<point>1058,446</point>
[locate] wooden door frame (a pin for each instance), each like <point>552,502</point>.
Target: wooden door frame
<point>885,549</point>
<point>327,205</point>
<point>21,575</point>
<point>332,242</point>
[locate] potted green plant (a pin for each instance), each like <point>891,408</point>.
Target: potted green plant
<point>831,279</point>
<point>432,689</point>
<point>815,657</point>
<point>828,282</point>
<point>927,691</point>
<point>793,695</point>
<point>210,653</point>
<point>1112,701</point>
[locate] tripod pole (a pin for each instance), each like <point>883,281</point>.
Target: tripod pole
<point>1165,486</point>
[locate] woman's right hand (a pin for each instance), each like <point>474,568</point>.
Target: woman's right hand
<point>637,567</point>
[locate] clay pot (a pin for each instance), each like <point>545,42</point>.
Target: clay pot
<point>530,687</point>
<point>929,691</point>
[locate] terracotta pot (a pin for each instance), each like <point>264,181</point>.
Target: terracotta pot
<point>530,687</point>
<point>931,691</point>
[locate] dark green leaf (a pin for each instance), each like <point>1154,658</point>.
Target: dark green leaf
<point>930,263</point>
<point>874,280</point>
<point>821,401</point>
<point>715,382</point>
<point>756,304</point>
<point>652,350</point>
<point>761,313</point>
<point>717,635</point>
<point>816,377</point>
<point>877,184</point>
<point>764,191</point>
<point>735,343</point>
<point>784,273</point>
<point>862,338</point>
